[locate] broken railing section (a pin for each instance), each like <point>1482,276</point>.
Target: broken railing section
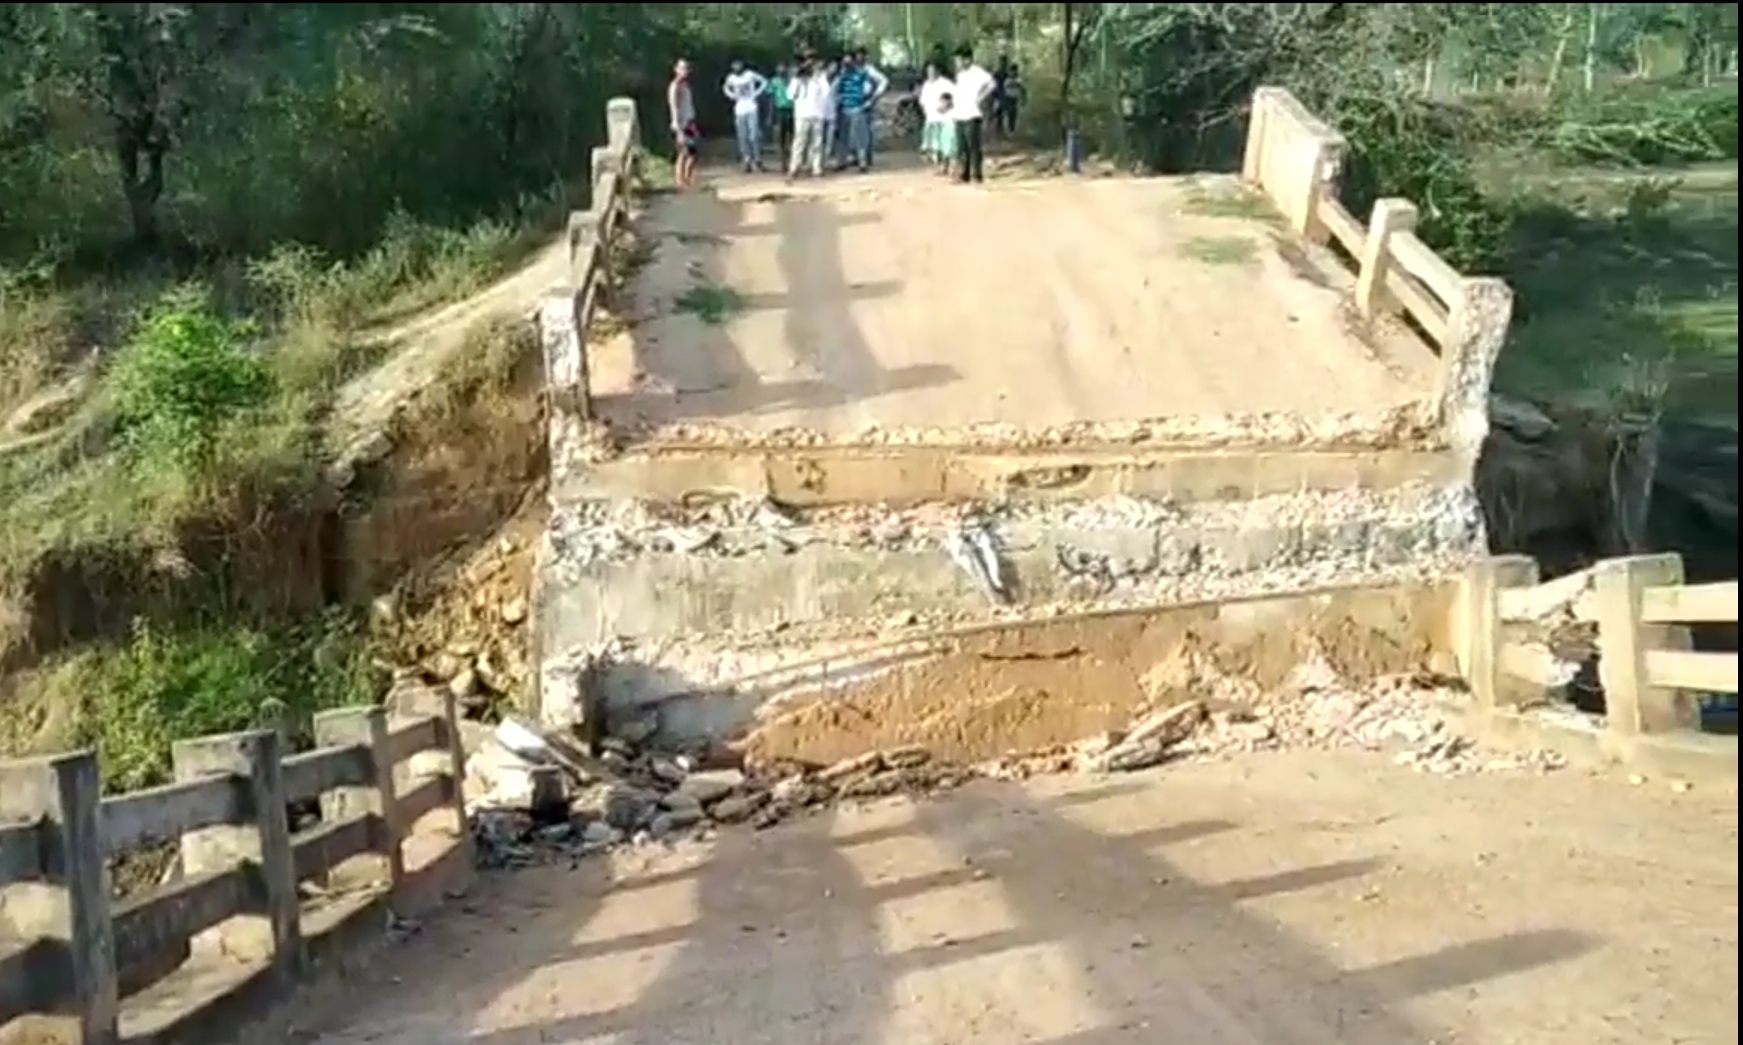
<point>1641,610</point>
<point>567,310</point>
<point>386,786</point>
<point>1294,159</point>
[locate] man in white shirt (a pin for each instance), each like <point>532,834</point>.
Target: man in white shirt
<point>813,107</point>
<point>745,88</point>
<point>974,89</point>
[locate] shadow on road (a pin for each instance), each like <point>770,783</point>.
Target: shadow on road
<point>698,365</point>
<point>988,918</point>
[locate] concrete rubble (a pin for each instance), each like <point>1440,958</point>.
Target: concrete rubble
<point>634,793</point>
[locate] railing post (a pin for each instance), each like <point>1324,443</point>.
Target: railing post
<point>366,728</point>
<point>1390,216</point>
<point>255,758</point>
<point>1258,131</point>
<point>1478,632</point>
<point>65,791</point>
<point>1631,703</point>
<point>451,759</point>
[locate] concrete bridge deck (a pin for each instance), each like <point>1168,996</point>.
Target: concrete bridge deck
<point>890,307</point>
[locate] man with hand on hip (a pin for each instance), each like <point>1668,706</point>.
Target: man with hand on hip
<point>974,89</point>
<point>858,90</point>
<point>745,88</point>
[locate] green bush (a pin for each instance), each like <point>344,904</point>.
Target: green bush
<point>187,371</point>
<point>163,685</point>
<point>1422,152</point>
<point>1643,128</point>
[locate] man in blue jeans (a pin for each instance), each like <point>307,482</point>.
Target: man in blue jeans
<point>857,92</point>
<point>745,88</point>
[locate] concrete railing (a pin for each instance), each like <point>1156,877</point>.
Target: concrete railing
<point>1294,160</point>
<point>73,955</point>
<point>1641,608</point>
<point>568,310</point>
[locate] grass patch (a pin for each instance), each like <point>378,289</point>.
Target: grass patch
<point>131,700</point>
<point>711,304</point>
<point>1627,292</point>
<point>1220,250</point>
<point>245,362</point>
<point>1235,204</point>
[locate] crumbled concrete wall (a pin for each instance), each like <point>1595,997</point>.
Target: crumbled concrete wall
<point>635,585</point>
<point>1389,621</point>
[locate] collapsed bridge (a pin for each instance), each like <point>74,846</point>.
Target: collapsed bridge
<point>840,429</point>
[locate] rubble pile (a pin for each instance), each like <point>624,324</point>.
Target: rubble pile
<point>554,800</point>
<point>539,797</point>
<point>473,638</point>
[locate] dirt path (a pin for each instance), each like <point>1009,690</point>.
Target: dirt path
<point>896,299</point>
<point>421,346</point>
<point>1284,899</point>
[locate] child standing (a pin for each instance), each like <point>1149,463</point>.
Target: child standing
<point>938,133</point>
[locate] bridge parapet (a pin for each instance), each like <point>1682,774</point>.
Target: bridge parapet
<point>232,932</point>
<point>568,309</point>
<point>1636,612</point>
<point>1294,159</point>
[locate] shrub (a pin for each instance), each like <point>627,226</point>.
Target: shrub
<point>1422,152</point>
<point>184,375</point>
<point>166,684</point>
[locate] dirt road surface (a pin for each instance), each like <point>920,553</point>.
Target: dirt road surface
<point>1327,898</point>
<point>896,299</point>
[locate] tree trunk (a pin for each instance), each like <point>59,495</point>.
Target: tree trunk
<point>139,158</point>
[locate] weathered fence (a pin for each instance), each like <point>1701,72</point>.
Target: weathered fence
<point>1641,609</point>
<point>1294,159</point>
<point>70,951</point>
<point>568,310</point>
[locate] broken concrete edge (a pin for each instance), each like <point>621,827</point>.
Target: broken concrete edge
<point>1584,740</point>
<point>916,475</point>
<point>1400,425</point>
<point>717,687</point>
<point>601,582</point>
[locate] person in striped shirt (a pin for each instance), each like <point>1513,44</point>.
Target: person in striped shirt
<point>857,92</point>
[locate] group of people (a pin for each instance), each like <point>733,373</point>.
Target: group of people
<point>820,113</point>
<point>958,109</point>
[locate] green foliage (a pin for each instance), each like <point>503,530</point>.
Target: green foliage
<point>162,685</point>
<point>1643,128</point>
<point>187,372</point>
<point>1419,151</point>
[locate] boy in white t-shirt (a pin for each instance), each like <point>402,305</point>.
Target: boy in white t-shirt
<point>745,88</point>
<point>938,134</point>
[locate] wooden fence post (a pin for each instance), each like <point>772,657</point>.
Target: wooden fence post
<point>1631,703</point>
<point>1390,216</point>
<point>366,728</point>
<point>255,758</point>
<point>1478,623</point>
<point>65,792</point>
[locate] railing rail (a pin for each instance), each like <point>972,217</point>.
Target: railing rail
<point>1641,607</point>
<point>568,310</point>
<point>67,948</point>
<point>1294,159</point>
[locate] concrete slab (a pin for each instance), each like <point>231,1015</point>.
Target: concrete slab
<point>1024,313</point>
